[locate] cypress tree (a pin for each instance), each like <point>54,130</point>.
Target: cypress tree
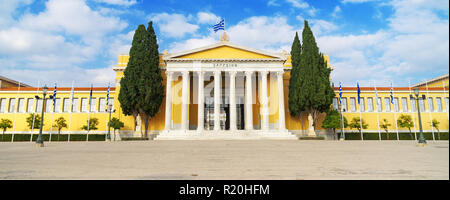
<point>151,90</point>
<point>129,84</point>
<point>294,81</point>
<point>312,91</point>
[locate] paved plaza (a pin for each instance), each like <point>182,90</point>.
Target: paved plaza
<point>232,159</point>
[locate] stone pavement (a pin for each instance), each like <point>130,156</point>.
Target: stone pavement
<point>225,159</point>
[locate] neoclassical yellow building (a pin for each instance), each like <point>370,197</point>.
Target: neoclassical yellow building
<point>247,88</point>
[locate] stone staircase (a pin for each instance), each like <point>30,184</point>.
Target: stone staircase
<point>226,135</point>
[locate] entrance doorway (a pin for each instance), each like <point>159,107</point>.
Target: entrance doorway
<point>224,114</point>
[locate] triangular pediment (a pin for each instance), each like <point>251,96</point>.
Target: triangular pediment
<point>224,50</point>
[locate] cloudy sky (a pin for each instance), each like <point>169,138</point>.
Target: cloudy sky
<point>367,40</point>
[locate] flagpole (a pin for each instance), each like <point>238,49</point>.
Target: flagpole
<point>53,111</point>
<point>89,114</point>
<point>443,102</point>
<point>70,112</point>
<point>378,114</point>
<point>342,112</point>
<point>413,116</point>
<point>15,114</point>
<point>107,99</point>
<point>34,113</point>
<point>430,111</point>
<point>395,111</point>
<point>360,117</point>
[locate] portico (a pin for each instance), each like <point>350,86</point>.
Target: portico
<point>227,91</point>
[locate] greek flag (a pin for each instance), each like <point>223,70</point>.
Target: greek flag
<point>107,97</point>
<point>340,93</point>
<point>219,26</point>
<point>359,92</point>
<point>54,96</point>
<point>90,97</point>
<point>392,96</point>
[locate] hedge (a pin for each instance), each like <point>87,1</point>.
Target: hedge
<point>46,137</point>
<point>393,136</point>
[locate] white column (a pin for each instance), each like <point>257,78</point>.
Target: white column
<point>169,100</point>
<point>232,100</point>
<point>217,75</point>
<point>281,119</point>
<point>201,104</point>
<point>248,101</point>
<point>264,101</point>
<point>185,101</point>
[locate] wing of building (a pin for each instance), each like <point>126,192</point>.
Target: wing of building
<point>224,89</point>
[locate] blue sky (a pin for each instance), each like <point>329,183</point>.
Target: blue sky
<point>367,40</point>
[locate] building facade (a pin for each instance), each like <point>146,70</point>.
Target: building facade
<point>247,88</point>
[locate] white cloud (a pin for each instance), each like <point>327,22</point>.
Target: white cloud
<point>56,42</point>
<point>298,3</point>
<point>118,2</point>
<point>207,18</point>
<point>355,1</point>
<point>272,3</point>
<point>336,12</point>
<point>321,27</point>
<point>174,25</point>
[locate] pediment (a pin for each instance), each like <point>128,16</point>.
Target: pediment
<point>224,50</point>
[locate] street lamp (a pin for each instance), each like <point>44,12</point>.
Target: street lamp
<point>39,140</point>
<point>422,141</point>
<point>109,109</point>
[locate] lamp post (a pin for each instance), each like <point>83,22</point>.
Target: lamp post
<point>39,140</point>
<point>109,109</point>
<point>422,141</point>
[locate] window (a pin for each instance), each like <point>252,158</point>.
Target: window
<point>361,104</point>
<point>404,104</point>
<point>352,104</point>
<point>57,107</point>
<point>30,105</point>
<point>48,105</point>
<point>387,104</point>
<point>413,105</point>
<point>379,106</point>
<point>75,105</point>
<point>438,104</point>
<point>93,104</point>
<point>102,104</point>
<point>430,104</point>
<point>396,107</point>
<point>66,104</point>
<point>370,104</point>
<point>38,106</point>
<point>12,104</point>
<point>446,104</point>
<point>335,104</point>
<point>21,105</point>
<point>344,104</point>
<point>2,105</point>
<point>422,105</point>
<point>84,104</point>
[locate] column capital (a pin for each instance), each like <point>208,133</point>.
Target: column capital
<point>232,73</point>
<point>169,73</point>
<point>185,73</point>
<point>280,73</point>
<point>248,73</point>
<point>200,73</point>
<point>263,73</point>
<point>217,73</point>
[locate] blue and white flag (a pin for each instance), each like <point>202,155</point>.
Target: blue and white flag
<point>392,96</point>
<point>359,92</point>
<point>54,96</point>
<point>219,26</point>
<point>340,93</point>
<point>107,97</point>
<point>90,98</point>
